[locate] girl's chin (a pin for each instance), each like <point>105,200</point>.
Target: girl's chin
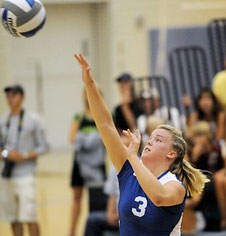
<point>145,155</point>
<point>149,156</point>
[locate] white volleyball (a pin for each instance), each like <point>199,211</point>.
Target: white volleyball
<point>22,18</point>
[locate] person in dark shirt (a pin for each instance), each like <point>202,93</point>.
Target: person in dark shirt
<point>126,113</point>
<point>207,108</point>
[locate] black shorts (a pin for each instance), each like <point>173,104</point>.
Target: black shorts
<point>76,178</point>
<point>97,198</point>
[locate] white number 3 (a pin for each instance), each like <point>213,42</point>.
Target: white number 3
<point>142,206</point>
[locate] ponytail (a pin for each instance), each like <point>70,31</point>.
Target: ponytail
<point>193,179</point>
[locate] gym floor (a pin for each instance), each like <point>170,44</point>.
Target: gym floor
<point>54,196</point>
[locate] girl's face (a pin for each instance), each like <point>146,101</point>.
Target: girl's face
<point>158,146</point>
<point>206,102</point>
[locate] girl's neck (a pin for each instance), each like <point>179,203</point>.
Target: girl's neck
<point>156,168</point>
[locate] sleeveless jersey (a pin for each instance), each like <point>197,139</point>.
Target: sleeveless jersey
<point>137,213</point>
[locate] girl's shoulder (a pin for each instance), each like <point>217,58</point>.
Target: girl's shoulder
<point>167,177</point>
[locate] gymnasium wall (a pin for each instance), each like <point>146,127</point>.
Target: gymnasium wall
<point>114,36</point>
<point>132,19</point>
<point>4,66</point>
<point>46,62</point>
<point>73,1</point>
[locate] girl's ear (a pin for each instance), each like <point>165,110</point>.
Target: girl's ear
<point>172,154</point>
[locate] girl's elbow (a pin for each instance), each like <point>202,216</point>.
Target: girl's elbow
<point>158,200</point>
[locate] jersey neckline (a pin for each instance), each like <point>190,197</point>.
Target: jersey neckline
<point>164,173</point>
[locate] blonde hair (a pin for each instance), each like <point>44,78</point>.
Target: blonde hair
<point>202,128</point>
<point>153,122</point>
<point>193,179</point>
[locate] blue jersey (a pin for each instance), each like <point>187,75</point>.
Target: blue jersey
<point>137,213</point>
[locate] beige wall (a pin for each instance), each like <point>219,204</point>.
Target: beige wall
<point>68,29</point>
<point>4,66</point>
<point>116,32</point>
<point>102,61</point>
<point>73,1</point>
<point>130,46</point>
<point>131,20</point>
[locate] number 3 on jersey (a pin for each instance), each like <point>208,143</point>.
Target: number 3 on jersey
<point>141,207</point>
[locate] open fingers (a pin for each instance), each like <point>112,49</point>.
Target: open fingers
<point>137,132</point>
<point>131,135</point>
<point>83,60</point>
<point>125,132</point>
<point>128,134</point>
<point>77,57</point>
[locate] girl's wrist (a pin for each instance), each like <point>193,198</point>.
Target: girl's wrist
<point>133,157</point>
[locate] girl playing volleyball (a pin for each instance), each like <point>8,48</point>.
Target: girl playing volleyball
<point>153,189</point>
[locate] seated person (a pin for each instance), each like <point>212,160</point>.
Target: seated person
<point>207,108</point>
<point>170,115</point>
<point>151,106</point>
<point>152,123</point>
<point>100,221</point>
<point>220,182</point>
<point>205,154</point>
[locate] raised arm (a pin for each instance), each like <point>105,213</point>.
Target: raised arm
<point>102,116</point>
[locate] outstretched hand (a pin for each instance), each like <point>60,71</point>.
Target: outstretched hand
<point>86,70</point>
<point>134,141</point>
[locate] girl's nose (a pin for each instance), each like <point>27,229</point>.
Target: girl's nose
<point>150,142</point>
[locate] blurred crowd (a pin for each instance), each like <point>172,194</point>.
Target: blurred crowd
<point>203,126</point>
<point>205,131</point>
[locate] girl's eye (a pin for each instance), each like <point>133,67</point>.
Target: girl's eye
<point>158,140</point>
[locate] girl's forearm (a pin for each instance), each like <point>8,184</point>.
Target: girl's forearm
<point>149,183</point>
<point>98,107</point>
<point>102,116</point>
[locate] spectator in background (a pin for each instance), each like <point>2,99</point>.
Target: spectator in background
<point>205,154</point>
<point>88,164</point>
<point>126,113</point>
<point>152,123</point>
<point>220,180</point>
<point>170,115</point>
<point>151,106</point>
<point>147,109</point>
<point>208,109</point>
<point>219,85</point>
<point>100,222</point>
<point>219,89</point>
<point>205,151</point>
<point>23,141</point>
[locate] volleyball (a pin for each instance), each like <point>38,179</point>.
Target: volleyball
<point>22,18</point>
